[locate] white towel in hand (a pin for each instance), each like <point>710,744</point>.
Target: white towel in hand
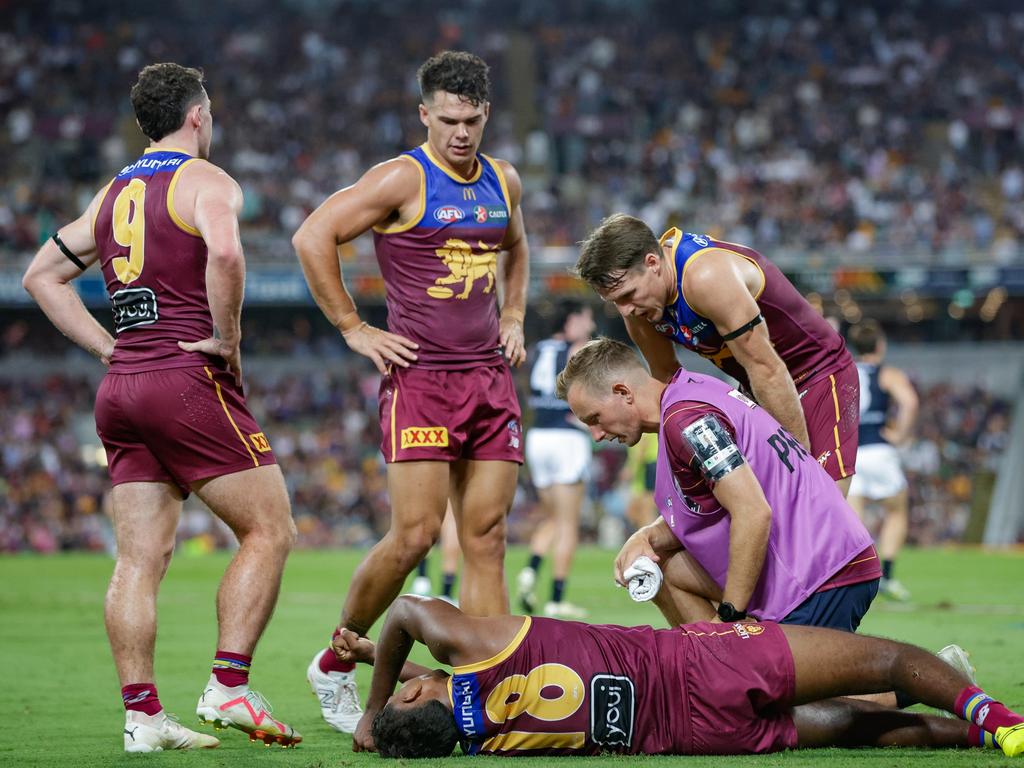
<point>643,579</point>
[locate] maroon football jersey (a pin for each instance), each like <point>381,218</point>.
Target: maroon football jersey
<point>154,265</point>
<point>564,687</point>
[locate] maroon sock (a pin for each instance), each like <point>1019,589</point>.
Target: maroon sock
<point>978,737</point>
<point>231,669</point>
<point>329,662</point>
<point>976,706</point>
<point>141,697</point>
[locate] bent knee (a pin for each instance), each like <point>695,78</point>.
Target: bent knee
<point>487,543</point>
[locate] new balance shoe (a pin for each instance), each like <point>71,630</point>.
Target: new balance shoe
<point>339,697</point>
<point>525,582</point>
<point>564,610</point>
<point>155,733</point>
<point>245,710</point>
<point>1010,739</point>
<point>960,660</point>
<point>894,590</point>
<point>421,586</point>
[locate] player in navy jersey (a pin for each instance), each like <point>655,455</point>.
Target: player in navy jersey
<point>880,479</point>
<point>558,453</point>
<point>441,214</point>
<point>540,686</point>
<point>170,411</point>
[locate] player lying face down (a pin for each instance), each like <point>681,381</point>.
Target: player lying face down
<point>537,686</point>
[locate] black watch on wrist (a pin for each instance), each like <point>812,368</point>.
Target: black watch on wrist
<point>729,612</point>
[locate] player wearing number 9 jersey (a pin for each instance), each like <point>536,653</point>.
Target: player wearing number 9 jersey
<point>530,687</point>
<point>170,411</point>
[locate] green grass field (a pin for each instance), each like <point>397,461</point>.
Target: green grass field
<point>60,704</point>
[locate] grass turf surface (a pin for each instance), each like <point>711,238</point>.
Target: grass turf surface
<point>59,697</point>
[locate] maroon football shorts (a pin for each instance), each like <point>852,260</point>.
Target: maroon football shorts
<point>442,415</point>
<point>177,426</point>
<point>832,412</point>
<point>740,683</point>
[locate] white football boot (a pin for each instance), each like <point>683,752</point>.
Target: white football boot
<point>155,733</point>
<point>338,695</point>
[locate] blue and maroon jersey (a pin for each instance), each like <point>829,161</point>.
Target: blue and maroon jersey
<point>563,687</point>
<point>440,268</point>
<point>807,344</point>
<point>154,266</point>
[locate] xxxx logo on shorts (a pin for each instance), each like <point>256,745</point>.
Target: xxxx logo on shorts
<point>260,442</point>
<point>425,437</point>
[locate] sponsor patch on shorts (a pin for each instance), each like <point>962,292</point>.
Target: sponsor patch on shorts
<point>425,437</point>
<point>612,710</point>
<point>260,442</point>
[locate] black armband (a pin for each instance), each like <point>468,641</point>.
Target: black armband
<point>744,328</point>
<point>67,252</point>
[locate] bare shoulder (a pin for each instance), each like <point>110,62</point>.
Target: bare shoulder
<point>400,174</point>
<point>515,184</point>
<point>202,174</point>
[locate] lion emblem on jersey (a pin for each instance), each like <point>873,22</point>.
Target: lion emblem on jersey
<point>464,267</point>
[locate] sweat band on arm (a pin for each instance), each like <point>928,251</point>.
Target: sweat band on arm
<point>67,252</point>
<point>744,328</point>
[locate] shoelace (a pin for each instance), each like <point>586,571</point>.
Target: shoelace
<point>347,690</point>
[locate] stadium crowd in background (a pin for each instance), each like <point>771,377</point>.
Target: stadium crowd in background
<point>324,429</point>
<point>876,132</point>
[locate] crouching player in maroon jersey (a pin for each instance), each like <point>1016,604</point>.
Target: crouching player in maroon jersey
<point>170,411</point>
<point>441,214</point>
<point>528,687</point>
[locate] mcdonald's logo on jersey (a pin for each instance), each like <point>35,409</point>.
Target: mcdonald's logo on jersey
<point>468,193</point>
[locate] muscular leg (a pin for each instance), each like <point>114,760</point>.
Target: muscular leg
<point>481,493</point>
<point>145,519</point>
<point>564,504</point>
<point>419,496</point>
<point>254,504</point>
<point>855,723</point>
<point>844,485</point>
<point>450,551</point>
<point>894,526</point>
<point>687,593</point>
<point>831,663</point>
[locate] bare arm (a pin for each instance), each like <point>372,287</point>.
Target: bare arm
<point>376,199</point>
<point>48,280</point>
<point>658,351</point>
<point>348,646</point>
<point>741,495</point>
<point>897,384</point>
<point>716,289</point>
<point>653,540</point>
<point>218,202</point>
<point>516,274</point>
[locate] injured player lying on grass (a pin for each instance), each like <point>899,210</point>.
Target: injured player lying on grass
<point>537,686</point>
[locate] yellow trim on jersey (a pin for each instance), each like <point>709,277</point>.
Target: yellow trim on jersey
<point>501,180</point>
<point>220,396</point>
<point>499,657</point>
<point>103,198</point>
<point>394,407</point>
<point>452,174</point>
<point>835,429</point>
<point>396,228</point>
<point>516,740</point>
<point>180,222</point>
<point>166,149</point>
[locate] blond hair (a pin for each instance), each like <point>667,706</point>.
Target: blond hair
<point>595,364</point>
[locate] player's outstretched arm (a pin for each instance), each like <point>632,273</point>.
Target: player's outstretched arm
<point>658,351</point>
<point>377,198</point>
<point>715,289</point>
<point>48,280</point>
<point>516,273</point>
<point>218,201</point>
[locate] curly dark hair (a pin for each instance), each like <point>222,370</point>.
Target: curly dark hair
<point>427,730</point>
<point>456,72</point>
<point>162,96</point>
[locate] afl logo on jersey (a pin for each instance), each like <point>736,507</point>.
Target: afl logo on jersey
<point>665,328</point>
<point>449,213</point>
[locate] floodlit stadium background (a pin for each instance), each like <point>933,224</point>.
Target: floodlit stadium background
<point>877,155</point>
